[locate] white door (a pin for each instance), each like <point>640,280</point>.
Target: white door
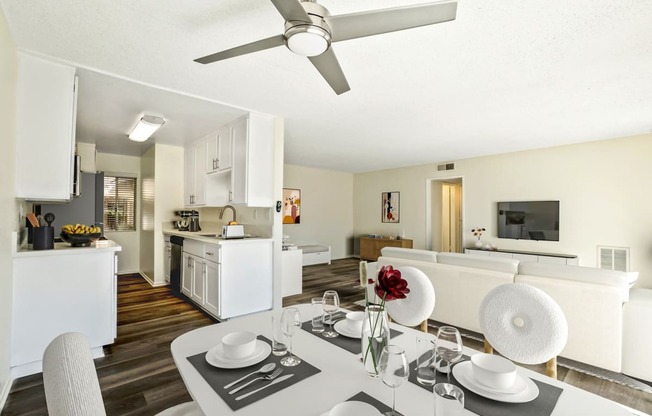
<point>200,174</point>
<point>239,169</point>
<point>166,263</point>
<point>225,148</point>
<point>189,176</point>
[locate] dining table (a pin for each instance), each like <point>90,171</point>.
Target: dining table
<point>340,376</point>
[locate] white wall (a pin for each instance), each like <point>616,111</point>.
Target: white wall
<point>326,203</point>
<point>168,186</point>
<point>8,205</point>
<point>603,189</point>
<point>129,257</point>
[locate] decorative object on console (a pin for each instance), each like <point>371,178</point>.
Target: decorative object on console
<point>390,207</point>
<point>477,232</point>
<point>389,285</point>
<point>291,206</point>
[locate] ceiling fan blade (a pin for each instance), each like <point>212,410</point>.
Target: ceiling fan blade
<point>291,10</point>
<point>330,69</point>
<point>259,45</point>
<point>375,22</point>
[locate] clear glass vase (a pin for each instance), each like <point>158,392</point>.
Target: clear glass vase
<point>375,336</point>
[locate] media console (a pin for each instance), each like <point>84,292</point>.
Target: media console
<point>567,259</point>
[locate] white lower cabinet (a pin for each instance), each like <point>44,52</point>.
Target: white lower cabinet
<point>232,278</point>
<point>57,291</point>
<point>212,288</point>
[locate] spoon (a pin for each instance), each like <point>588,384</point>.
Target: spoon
<point>49,218</point>
<point>262,370</point>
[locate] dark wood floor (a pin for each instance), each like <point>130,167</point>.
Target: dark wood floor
<point>138,375</point>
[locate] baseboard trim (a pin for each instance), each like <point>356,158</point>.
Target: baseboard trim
<point>4,394</point>
<point>151,282</point>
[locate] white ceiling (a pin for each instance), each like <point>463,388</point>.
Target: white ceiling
<point>505,75</point>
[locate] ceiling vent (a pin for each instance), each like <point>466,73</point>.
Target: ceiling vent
<point>446,166</point>
<point>613,258</point>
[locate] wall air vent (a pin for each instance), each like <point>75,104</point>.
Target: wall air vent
<point>446,166</point>
<point>613,258</point>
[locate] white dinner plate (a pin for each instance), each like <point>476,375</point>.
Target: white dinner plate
<point>343,329</point>
<point>215,356</point>
<point>463,373</point>
<point>352,408</point>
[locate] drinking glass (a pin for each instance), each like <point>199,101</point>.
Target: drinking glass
<point>426,360</point>
<point>290,323</point>
<point>449,346</point>
<point>394,370</point>
<point>331,304</point>
<point>317,314</point>
<point>279,341</point>
<point>449,400</point>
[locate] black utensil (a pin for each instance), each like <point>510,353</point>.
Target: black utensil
<point>49,218</point>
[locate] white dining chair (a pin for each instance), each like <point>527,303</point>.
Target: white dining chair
<point>524,324</point>
<point>71,384</point>
<point>417,307</point>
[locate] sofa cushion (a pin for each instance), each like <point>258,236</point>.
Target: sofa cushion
<point>409,254</point>
<point>487,263</point>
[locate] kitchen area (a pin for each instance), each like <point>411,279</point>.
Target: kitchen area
<point>205,217</point>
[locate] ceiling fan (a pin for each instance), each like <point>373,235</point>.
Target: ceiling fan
<point>310,30</point>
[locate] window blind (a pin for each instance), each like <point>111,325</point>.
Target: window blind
<point>119,203</point>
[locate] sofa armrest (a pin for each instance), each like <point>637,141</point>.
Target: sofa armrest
<point>622,280</point>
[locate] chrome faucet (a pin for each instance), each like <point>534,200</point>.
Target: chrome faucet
<point>232,209</point>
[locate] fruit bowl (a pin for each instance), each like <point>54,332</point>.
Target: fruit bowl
<point>80,240</point>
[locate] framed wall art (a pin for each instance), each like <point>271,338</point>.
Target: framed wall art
<point>291,206</point>
<point>391,206</point>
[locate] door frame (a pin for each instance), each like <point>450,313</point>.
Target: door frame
<point>429,208</point>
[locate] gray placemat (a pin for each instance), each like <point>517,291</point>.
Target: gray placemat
<point>543,405</point>
<point>364,397</point>
<point>217,378</point>
<point>352,345</point>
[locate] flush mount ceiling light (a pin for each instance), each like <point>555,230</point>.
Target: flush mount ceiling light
<point>146,126</point>
<point>308,40</point>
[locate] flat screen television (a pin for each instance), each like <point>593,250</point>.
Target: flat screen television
<point>529,220</point>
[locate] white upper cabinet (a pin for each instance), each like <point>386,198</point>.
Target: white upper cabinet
<point>252,173</point>
<point>233,165</point>
<point>46,100</point>
<point>194,190</point>
<point>219,150</point>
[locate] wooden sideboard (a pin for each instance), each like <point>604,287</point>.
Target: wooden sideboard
<point>370,247</point>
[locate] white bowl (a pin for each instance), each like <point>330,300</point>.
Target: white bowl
<point>239,344</point>
<point>493,371</point>
<point>353,408</point>
<point>354,321</point>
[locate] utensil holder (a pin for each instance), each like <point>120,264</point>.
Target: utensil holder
<point>43,238</point>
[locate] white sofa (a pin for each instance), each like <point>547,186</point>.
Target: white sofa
<point>592,299</point>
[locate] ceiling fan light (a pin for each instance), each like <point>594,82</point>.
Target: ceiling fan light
<point>307,40</point>
<point>146,126</point>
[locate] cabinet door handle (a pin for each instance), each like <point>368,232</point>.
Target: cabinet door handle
<point>210,254</point>
<point>230,196</point>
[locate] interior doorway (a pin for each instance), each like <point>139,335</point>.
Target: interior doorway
<point>445,215</point>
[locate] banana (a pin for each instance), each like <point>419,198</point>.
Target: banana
<point>80,229</point>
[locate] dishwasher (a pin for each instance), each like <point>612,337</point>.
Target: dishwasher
<point>176,260</point>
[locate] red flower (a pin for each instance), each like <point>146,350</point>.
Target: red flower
<point>390,285</point>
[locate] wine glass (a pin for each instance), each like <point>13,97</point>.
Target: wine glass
<point>290,322</point>
<point>331,304</point>
<point>394,370</point>
<point>449,346</point>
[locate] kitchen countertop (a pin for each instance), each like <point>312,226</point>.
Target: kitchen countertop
<point>67,249</point>
<point>211,240</point>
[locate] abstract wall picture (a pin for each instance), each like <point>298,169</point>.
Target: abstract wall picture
<point>291,206</point>
<point>391,207</point>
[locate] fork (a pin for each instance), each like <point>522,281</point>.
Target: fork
<point>270,376</point>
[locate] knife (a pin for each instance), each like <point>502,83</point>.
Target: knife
<point>278,380</point>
